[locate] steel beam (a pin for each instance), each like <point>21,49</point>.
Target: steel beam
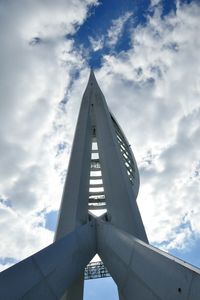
<point>74,205</point>
<point>142,271</point>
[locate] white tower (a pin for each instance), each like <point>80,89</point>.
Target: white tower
<point>102,174</point>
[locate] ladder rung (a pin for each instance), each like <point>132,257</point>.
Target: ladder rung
<point>95,160</point>
<point>92,168</point>
<point>96,185</point>
<point>96,193</point>
<point>95,151</point>
<point>95,207</point>
<point>92,177</point>
<point>93,200</point>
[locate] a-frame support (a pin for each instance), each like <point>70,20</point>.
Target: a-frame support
<point>142,271</point>
<point>139,270</point>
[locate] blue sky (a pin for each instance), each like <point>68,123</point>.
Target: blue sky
<point>145,55</point>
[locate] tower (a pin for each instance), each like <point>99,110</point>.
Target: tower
<point>102,175</point>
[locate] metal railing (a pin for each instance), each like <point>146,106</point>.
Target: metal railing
<point>95,270</point>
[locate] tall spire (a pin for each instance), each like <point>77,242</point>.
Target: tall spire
<point>102,173</point>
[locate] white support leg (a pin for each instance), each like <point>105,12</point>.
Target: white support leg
<point>142,271</point>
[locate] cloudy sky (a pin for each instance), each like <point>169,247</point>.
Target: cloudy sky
<point>146,57</point>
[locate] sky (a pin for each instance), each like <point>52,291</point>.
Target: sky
<point>146,58</point>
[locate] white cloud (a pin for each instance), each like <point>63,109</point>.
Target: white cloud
<point>21,236</point>
<point>155,2</point>
<point>180,240</point>
<point>96,44</point>
<point>115,31</point>
<point>113,34</point>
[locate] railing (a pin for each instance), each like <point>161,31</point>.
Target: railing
<point>96,270</point>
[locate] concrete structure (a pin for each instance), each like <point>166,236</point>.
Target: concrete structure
<point>102,175</point>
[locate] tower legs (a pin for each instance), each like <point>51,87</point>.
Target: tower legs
<point>139,270</point>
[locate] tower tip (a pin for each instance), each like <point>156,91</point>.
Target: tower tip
<point>92,73</point>
<point>92,78</point>
<point>92,82</point>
